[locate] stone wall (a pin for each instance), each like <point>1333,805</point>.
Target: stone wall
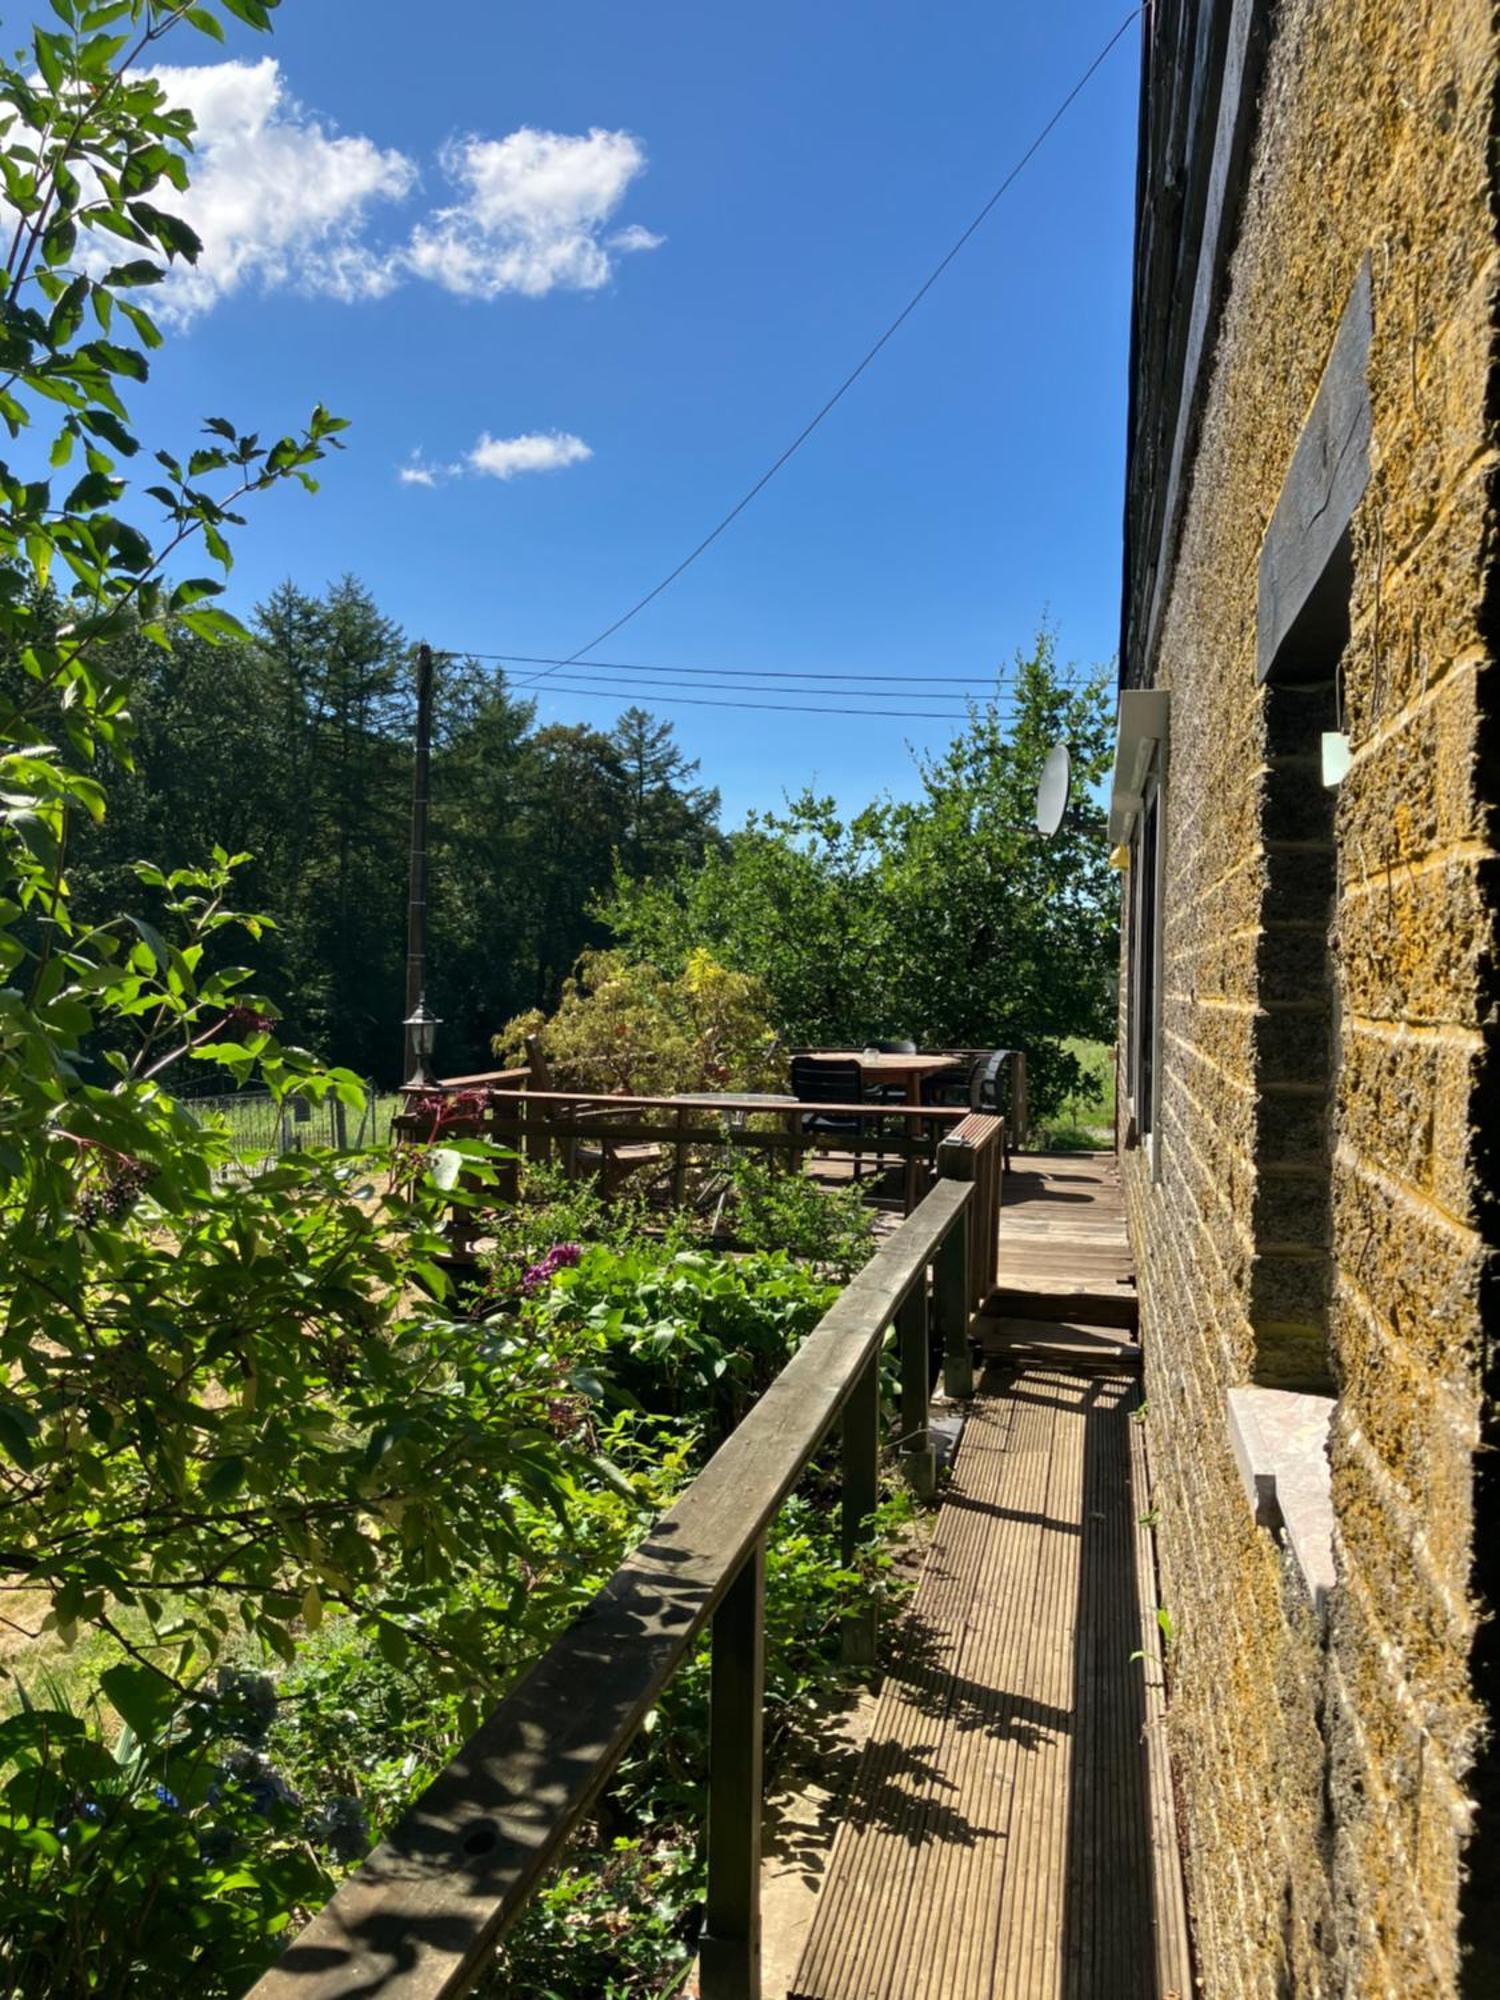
<point>1330,1776</point>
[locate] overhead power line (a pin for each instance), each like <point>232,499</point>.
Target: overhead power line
<point>651,687</point>
<point>859,368</point>
<point>668,683</point>
<point>727,673</point>
<point>784,707</point>
<point>999,687</point>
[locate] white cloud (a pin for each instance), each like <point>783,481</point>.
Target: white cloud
<point>501,458</point>
<point>280,201</point>
<point>535,451</point>
<point>531,211</point>
<point>634,237</point>
<point>276,199</point>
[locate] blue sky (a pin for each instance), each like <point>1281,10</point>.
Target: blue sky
<point>803,168</point>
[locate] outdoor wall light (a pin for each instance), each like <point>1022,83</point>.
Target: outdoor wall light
<point>421,1026</point>
<point>1336,754</point>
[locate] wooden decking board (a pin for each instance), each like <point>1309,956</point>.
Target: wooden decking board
<point>1064,1253</point>
<point>1000,1840</point>
<point>913,1803</point>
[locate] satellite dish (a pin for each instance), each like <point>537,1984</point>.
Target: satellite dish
<point>1052,789</point>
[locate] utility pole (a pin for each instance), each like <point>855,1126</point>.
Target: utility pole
<point>416,906</point>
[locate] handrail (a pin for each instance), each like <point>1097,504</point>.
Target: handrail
<point>419,1920</point>
<point>491,1079</point>
<point>773,1104</point>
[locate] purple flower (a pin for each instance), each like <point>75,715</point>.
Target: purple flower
<point>167,1798</point>
<point>559,1257</point>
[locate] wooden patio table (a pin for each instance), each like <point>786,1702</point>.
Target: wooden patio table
<point>909,1071</point>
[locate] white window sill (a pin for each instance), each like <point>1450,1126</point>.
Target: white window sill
<point>1280,1442</point>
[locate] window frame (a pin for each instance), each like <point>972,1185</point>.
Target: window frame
<point>1144,961</point>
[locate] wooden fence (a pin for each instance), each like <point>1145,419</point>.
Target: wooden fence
<point>421,1919</point>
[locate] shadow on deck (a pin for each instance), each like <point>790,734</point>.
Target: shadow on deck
<point>1009,1834</point>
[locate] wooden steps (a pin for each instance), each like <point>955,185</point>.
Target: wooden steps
<point>1117,1308</point>
<point>1009,1836</point>
<point>1059,1341</point>
<point>1064,1254</point>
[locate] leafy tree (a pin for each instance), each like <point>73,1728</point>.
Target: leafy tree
<point>792,897</point>
<point>222,1403</point>
<point>946,918</point>
<point>481,954</point>
<point>295,744</point>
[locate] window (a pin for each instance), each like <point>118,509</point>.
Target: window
<point>1146,972</point>
<point>1135,820</point>
<point>1296,1041</point>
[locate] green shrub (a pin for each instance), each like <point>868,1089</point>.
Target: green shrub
<point>166,1851</point>
<point>625,1025</point>
<point>829,1227</point>
<point>683,1333</point>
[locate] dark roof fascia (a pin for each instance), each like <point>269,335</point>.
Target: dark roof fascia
<point>1148,19</point>
<point>1227,67</point>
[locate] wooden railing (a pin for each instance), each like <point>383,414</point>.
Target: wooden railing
<point>421,1918</point>
<point>546,1124</point>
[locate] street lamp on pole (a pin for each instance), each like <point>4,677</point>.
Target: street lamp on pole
<point>416,906</point>
<point>421,1026</point>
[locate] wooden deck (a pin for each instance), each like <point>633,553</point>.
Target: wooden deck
<point>1063,1250</point>
<point>1010,1833</point>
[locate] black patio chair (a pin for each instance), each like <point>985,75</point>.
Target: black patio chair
<point>827,1080</point>
<point>980,1088</point>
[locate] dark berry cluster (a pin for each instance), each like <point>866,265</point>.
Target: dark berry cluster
<point>113,1197</point>
<point>250,1020</point>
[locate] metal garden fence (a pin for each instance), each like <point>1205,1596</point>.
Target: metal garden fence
<point>262,1128</point>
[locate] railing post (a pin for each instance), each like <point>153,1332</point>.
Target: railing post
<point>861,1497</point>
<point>729,1949</point>
<point>1019,1109</point>
<point>679,1162</point>
<point>953,1310</point>
<point>955,1162</point>
<point>917,1460</point>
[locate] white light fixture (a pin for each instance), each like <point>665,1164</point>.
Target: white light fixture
<point>1336,756</point>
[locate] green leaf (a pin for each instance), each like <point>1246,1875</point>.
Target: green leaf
<point>142,1697</point>
<point>17,1429</point>
<point>93,491</point>
<point>102,424</point>
<point>51,51</point>
<point>154,942</point>
<point>146,328</point>
<point>613,1478</point>
<point>392,1642</point>
<point>226,1479</point>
